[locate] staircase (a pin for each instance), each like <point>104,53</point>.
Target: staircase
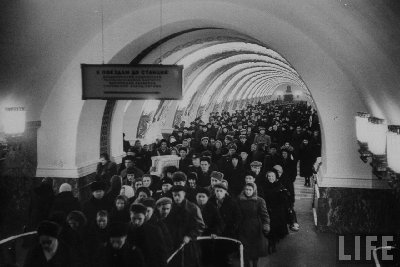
<point>301,191</point>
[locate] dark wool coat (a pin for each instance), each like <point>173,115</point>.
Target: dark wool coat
<point>41,201</point>
<point>276,198</point>
<point>235,178</point>
<point>230,214</point>
<point>150,240</point>
<point>127,256</point>
<point>212,220</point>
<point>307,160</point>
<point>120,215</point>
<point>185,220</point>
<point>64,257</point>
<point>254,217</point>
<point>106,171</point>
<point>65,202</point>
<point>96,238</point>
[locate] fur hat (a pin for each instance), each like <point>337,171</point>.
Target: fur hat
<point>221,185</point>
<point>203,190</point>
<point>138,208</point>
<point>255,164</point>
<point>77,216</point>
<point>148,202</point>
<point>166,180</point>
<point>48,228</point>
<point>192,176</point>
<point>217,175</point>
<point>144,190</point>
<point>163,201</point>
<point>97,185</point>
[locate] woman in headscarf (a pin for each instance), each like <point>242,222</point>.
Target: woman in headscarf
<point>254,226</point>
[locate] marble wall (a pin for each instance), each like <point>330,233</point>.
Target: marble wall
<point>353,210</point>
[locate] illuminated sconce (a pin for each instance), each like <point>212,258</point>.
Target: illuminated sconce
<point>14,121</point>
<point>393,149</point>
<point>362,135</point>
<point>376,136</point>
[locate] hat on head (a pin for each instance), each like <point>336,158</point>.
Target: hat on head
<point>242,136</point>
<point>255,164</point>
<point>138,208</point>
<point>128,191</point>
<point>235,156</point>
<point>217,175</point>
<point>130,170</point>
<point>144,190</point>
<point>206,159</point>
<point>97,185</point>
<point>148,202</point>
<point>163,201</point>
<point>178,188</point>
<point>65,187</point>
<point>171,169</point>
<point>205,138</point>
<point>229,138</point>
<point>232,146</point>
<point>77,216</point>
<point>179,177</point>
<point>118,229</point>
<point>221,185</point>
<point>166,180</point>
<point>183,148</point>
<point>192,176</point>
<point>203,190</point>
<point>48,228</point>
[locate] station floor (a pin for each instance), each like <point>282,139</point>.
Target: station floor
<point>307,247</point>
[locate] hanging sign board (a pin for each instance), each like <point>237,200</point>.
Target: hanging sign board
<point>109,81</point>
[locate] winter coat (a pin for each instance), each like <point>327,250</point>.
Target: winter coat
<point>65,202</point>
<point>276,198</point>
<point>150,240</point>
<point>106,171</point>
<point>230,214</point>
<point>185,220</point>
<point>64,257</point>
<point>255,219</point>
<point>127,256</point>
<point>307,160</point>
<point>235,178</point>
<point>120,215</point>
<point>42,199</point>
<point>212,219</point>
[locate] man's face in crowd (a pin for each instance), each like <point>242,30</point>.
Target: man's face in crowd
<point>98,194</point>
<point>164,210</point>
<point>178,196</point>
<point>130,177</point>
<point>137,219</point>
<point>201,199</point>
<point>244,155</point>
<point>183,153</point>
<point>204,166</point>
<point>272,150</point>
<point>149,213</point>
<point>214,181</point>
<point>285,154</point>
<point>256,169</point>
<point>102,221</point>
<point>103,161</point>
<point>48,243</point>
<point>164,145</point>
<point>166,187</point>
<point>231,151</point>
<point>128,163</point>
<point>182,183</point>
<point>120,204</point>
<point>249,179</point>
<point>196,162</point>
<point>142,195</point>
<point>204,142</point>
<point>185,143</point>
<point>220,193</point>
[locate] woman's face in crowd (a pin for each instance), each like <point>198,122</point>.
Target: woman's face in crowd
<point>217,144</point>
<point>73,224</point>
<point>285,154</point>
<point>271,177</point>
<point>248,191</point>
<point>120,204</point>
<point>102,221</point>
<point>183,153</point>
<point>173,152</point>
<point>146,181</point>
<point>164,210</point>
<point>98,194</point>
<point>166,187</point>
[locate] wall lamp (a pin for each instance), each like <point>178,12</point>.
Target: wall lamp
<point>371,136</point>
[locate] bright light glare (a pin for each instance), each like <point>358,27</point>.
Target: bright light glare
<point>150,106</point>
<point>14,120</point>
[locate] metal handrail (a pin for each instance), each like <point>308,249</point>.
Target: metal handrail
<point>375,255</point>
<point>16,237</point>
<point>212,238</point>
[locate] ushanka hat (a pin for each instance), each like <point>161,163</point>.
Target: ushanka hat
<point>217,175</point>
<point>48,228</point>
<point>221,185</point>
<point>255,164</point>
<point>97,185</point>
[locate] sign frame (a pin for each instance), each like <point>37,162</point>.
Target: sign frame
<point>179,82</point>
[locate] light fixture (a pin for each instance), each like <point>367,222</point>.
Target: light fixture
<point>393,148</point>
<point>376,136</point>
<point>14,121</point>
<point>362,135</point>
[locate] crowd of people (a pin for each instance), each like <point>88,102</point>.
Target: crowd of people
<point>235,179</point>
